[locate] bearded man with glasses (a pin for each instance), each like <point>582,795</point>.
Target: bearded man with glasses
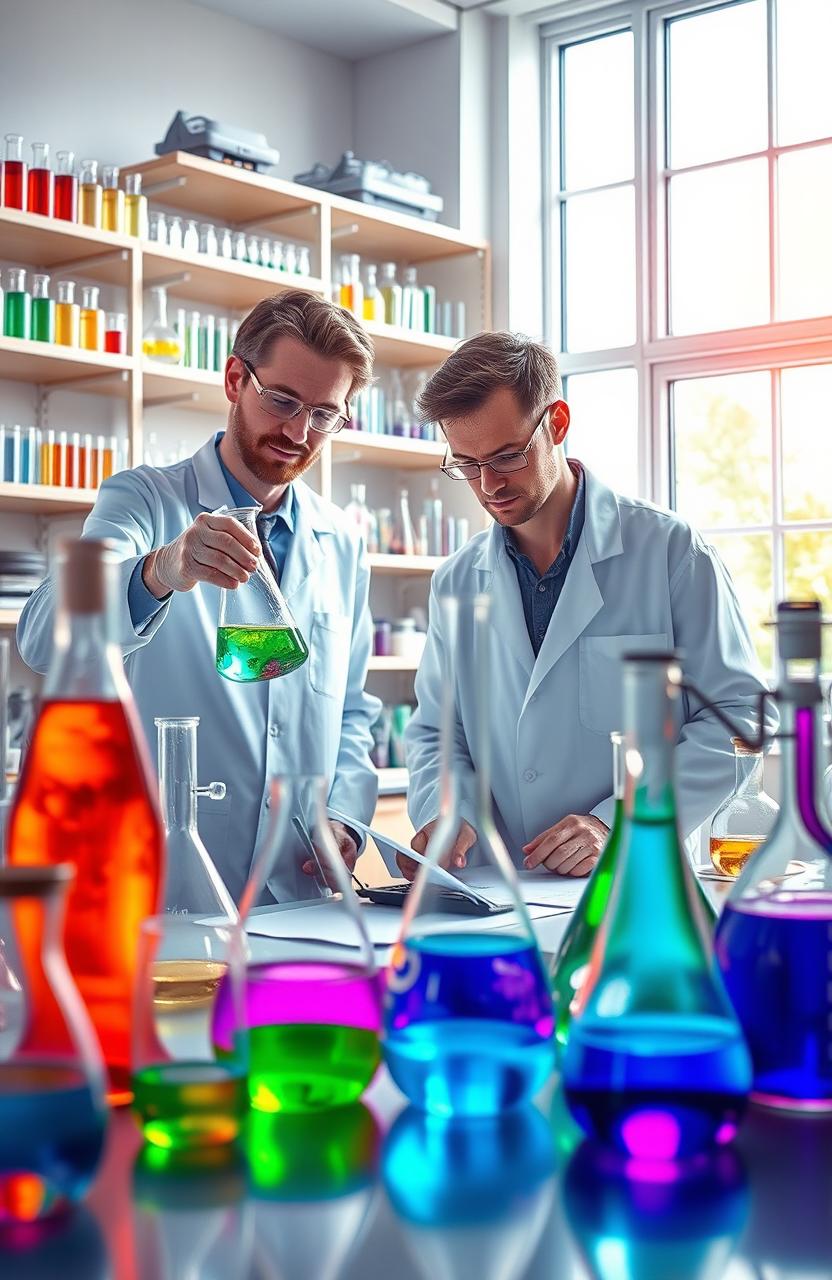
<point>579,576</point>
<point>297,364</point>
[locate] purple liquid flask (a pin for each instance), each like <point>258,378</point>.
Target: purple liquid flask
<point>774,938</point>
<point>313,1011</point>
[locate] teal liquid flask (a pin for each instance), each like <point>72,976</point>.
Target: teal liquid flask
<point>656,1065</point>
<point>468,1017</point>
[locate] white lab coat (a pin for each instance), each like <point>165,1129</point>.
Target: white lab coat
<point>640,578</point>
<point>315,720</point>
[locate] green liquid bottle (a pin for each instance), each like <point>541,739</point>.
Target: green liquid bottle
<point>43,311</point>
<point>572,960</point>
<point>245,654</point>
<point>17,305</point>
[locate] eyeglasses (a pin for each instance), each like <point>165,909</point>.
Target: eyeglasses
<point>283,406</point>
<point>502,464</point>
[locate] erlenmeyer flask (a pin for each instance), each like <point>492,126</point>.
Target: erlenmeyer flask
<point>655,1063</point>
<point>257,637</point>
<point>52,1110</point>
<point>313,1020</point>
<point>774,938</point>
<point>746,818</point>
<point>571,963</point>
<point>193,886</point>
<point>468,1013</point>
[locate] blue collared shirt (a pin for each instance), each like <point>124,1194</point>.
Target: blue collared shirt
<point>143,604</point>
<point>541,592</point>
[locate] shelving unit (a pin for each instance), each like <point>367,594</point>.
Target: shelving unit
<point>9,618</point>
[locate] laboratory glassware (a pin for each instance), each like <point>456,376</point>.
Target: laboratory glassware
<point>746,818</point>
<point>40,195</point>
<point>159,340</point>
<point>135,206</point>
<point>43,310</point>
<point>14,173</point>
<point>17,305</point>
<point>89,194</point>
<point>91,319</point>
<point>67,315</point>
<point>112,200</point>
<point>66,187</point>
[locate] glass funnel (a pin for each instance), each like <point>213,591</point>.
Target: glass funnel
<point>312,1008</point>
<point>257,637</point>
<point>468,1013</point>
<point>193,885</point>
<point>655,1064</point>
<point>747,817</point>
<point>52,1109</point>
<point>774,937</point>
<point>571,964</point>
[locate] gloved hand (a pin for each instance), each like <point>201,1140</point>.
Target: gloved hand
<point>215,549</point>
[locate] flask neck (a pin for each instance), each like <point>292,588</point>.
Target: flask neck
<point>177,773</point>
<point>650,688</point>
<point>86,659</point>
<point>749,774</point>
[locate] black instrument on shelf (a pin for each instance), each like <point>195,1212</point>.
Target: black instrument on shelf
<point>225,143</point>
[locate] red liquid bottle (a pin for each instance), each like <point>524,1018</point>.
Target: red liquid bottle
<point>40,181</point>
<point>66,188</point>
<point>14,173</point>
<point>87,796</point>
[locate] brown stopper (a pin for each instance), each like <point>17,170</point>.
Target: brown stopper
<point>83,573</point>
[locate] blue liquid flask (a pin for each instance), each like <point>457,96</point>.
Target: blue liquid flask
<point>52,1109</point>
<point>655,1065</point>
<point>468,1024</point>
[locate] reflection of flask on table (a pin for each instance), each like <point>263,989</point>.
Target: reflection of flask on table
<point>746,818</point>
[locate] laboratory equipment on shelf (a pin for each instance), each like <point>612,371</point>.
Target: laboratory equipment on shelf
<point>17,305</point>
<point>193,886</point>
<point>774,937</point>
<point>112,200</point>
<point>40,193</point>
<point>746,818</point>
<point>571,964</point>
<point>313,1020</point>
<point>43,310</point>
<point>159,340</point>
<point>91,319</point>
<point>351,291</point>
<point>185,1094</point>
<point>52,1110</point>
<point>257,636</point>
<point>115,333</point>
<point>655,1063</point>
<point>90,196</point>
<point>14,173</point>
<point>468,1014</point>
<point>66,187</point>
<point>135,206</point>
<point>87,796</point>
<point>356,510</point>
<point>373,301</point>
<point>67,316</point>
<point>404,538</point>
<point>391,292</point>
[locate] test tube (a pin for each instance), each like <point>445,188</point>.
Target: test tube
<point>220,343</point>
<point>90,470</point>
<point>43,310</point>
<point>17,305</point>
<point>89,195</point>
<point>135,206</point>
<point>66,187</point>
<point>59,463</point>
<point>115,333</point>
<point>112,200</point>
<point>40,193</point>
<point>14,173</point>
<point>67,315</point>
<point>91,319</point>
<point>47,457</point>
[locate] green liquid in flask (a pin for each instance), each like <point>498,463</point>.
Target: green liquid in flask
<point>245,654</point>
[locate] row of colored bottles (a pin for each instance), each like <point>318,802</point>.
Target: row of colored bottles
<point>65,322</point>
<point>388,533</point>
<point>388,407</point>
<point>29,455</point>
<point>222,242</point>
<point>384,300</point>
<point>69,195</point>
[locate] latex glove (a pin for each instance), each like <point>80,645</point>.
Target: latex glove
<point>458,856</point>
<point>570,848</point>
<point>215,549</point>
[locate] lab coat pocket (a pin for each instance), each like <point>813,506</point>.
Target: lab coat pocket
<point>601,676</point>
<point>329,653</point>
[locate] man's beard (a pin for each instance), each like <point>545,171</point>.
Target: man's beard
<point>254,452</point>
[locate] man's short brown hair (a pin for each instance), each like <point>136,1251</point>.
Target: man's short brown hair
<point>484,364</point>
<point>324,328</point>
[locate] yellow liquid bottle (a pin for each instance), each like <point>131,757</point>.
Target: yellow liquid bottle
<point>373,301</point>
<point>112,201</point>
<point>745,820</point>
<point>135,207</point>
<point>91,320</point>
<point>729,855</point>
<point>67,316</point>
<point>89,195</point>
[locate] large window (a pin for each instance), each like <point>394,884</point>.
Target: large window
<point>688,179</point>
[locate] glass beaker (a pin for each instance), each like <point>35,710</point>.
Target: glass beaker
<point>186,1092</point>
<point>774,937</point>
<point>746,818</point>
<point>193,886</point>
<point>571,964</point>
<point>257,637</point>
<point>159,340</point>
<point>52,1111</point>
<point>468,1013</point>
<point>313,1020</point>
<point>655,1063</point>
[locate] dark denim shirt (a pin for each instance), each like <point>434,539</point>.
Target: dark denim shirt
<point>541,592</point>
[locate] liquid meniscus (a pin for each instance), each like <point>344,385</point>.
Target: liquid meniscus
<point>186,984</point>
<point>729,854</point>
<point>245,654</point>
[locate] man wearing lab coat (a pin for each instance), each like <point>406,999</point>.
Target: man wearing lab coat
<point>297,364</point>
<point>578,576</point>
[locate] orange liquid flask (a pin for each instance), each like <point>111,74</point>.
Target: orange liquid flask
<point>87,796</point>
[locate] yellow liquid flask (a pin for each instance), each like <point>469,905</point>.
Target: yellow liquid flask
<point>160,341</point>
<point>67,316</point>
<point>89,195</point>
<point>91,320</point>
<point>747,817</point>
<point>112,200</point>
<point>257,637</point>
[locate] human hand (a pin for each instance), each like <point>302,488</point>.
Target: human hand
<point>347,848</point>
<point>458,856</point>
<point>571,847</point>
<point>215,548</point>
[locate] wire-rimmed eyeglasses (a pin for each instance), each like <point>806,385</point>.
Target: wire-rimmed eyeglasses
<point>503,463</point>
<point>281,405</point>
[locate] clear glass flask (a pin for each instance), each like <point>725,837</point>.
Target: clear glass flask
<point>746,818</point>
<point>774,937</point>
<point>257,637</point>
<point>655,1063</point>
<point>159,340</point>
<point>571,964</point>
<point>313,1020</point>
<point>468,1013</point>
<point>52,1110</point>
<point>193,886</point>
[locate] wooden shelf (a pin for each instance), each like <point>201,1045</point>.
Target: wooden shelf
<point>383,234</point>
<point>392,664</point>
<point>406,347</point>
<point>23,360</point>
<point>218,282</point>
<point>192,388</point>
<point>65,248</point>
<point>386,451</point>
<point>404,564</point>
<point>9,618</point>
<point>40,499</point>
